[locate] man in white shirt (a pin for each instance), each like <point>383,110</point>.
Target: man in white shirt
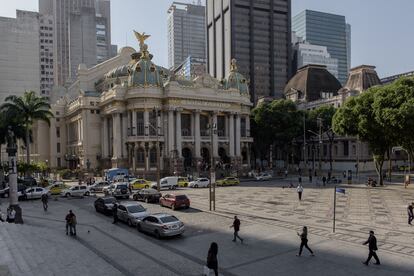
<point>299,189</point>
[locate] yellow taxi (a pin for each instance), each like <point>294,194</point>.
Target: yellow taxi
<point>57,188</point>
<point>182,181</point>
<point>140,183</point>
<point>228,181</point>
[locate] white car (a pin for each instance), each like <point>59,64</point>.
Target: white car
<point>199,183</point>
<point>34,193</point>
<point>78,190</point>
<point>169,182</point>
<point>263,176</point>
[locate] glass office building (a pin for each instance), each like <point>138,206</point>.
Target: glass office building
<point>325,29</point>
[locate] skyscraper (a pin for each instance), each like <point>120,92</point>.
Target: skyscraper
<point>81,32</point>
<point>186,33</point>
<point>328,30</point>
<point>257,34</point>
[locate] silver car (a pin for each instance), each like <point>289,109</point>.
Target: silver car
<point>161,225</point>
<point>131,212</point>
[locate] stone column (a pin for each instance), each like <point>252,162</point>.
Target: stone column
<point>134,156</point>
<point>146,123</point>
<point>170,130</point>
<point>105,142</point>
<point>238,134</point>
<point>215,137</point>
<point>117,136</point>
<point>197,138</point>
<point>178,141</point>
<point>134,123</point>
<point>124,134</point>
<point>231,135</point>
<point>247,126</point>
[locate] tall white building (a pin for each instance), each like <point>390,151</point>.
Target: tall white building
<point>306,53</point>
<point>46,33</point>
<point>186,32</point>
<point>19,54</point>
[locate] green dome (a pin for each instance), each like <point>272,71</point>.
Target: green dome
<point>144,73</point>
<point>235,80</point>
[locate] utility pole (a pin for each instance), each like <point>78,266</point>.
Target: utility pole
<point>13,197</point>
<point>156,128</point>
<point>305,163</point>
<point>320,145</point>
<point>212,192</point>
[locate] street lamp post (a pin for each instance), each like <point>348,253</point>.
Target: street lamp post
<point>212,193</point>
<point>11,151</point>
<point>156,128</point>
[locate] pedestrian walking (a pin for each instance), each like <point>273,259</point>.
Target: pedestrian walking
<point>11,215</point>
<point>286,173</point>
<point>372,246</point>
<point>344,174</point>
<point>115,213</point>
<point>299,189</point>
<point>324,180</point>
<point>304,241</point>
<point>236,227</point>
<point>45,200</point>
<point>410,213</point>
<point>1,216</point>
<point>212,263</point>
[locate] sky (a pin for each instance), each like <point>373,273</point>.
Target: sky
<point>382,30</point>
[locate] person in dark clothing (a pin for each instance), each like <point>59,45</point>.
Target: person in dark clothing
<point>115,213</point>
<point>410,213</point>
<point>212,262</point>
<point>304,241</point>
<point>236,227</point>
<point>372,246</point>
<point>324,180</point>
<point>70,223</point>
<point>44,199</point>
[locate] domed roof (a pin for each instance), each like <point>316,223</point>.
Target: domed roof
<point>311,80</point>
<point>143,72</point>
<point>235,80</point>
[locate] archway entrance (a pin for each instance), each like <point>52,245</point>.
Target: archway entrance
<point>188,158</point>
<point>205,154</point>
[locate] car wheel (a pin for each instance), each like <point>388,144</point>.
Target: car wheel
<point>87,193</point>
<point>195,186</point>
<point>146,200</point>
<point>187,207</point>
<point>96,209</point>
<point>134,197</point>
<point>173,207</point>
<point>67,195</point>
<point>139,228</point>
<point>146,186</point>
<point>25,197</point>
<point>157,234</point>
<point>129,223</point>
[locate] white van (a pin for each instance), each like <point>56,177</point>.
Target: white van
<point>169,182</point>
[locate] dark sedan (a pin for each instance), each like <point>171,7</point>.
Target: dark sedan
<point>104,205</point>
<point>147,195</point>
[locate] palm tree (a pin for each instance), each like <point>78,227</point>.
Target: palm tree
<point>28,108</point>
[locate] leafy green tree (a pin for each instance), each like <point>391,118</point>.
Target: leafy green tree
<point>28,108</point>
<point>276,123</point>
<point>394,109</point>
<point>357,118</point>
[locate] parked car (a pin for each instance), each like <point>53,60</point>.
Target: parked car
<point>175,201</point>
<point>108,189</point>
<point>56,188</point>
<point>161,225</point>
<point>131,212</point>
<point>78,190</point>
<point>169,182</point>
<point>140,183</point>
<point>200,183</point>
<point>182,181</point>
<point>98,187</point>
<point>263,176</point>
<point>34,193</point>
<point>147,195</point>
<point>5,192</point>
<point>120,190</point>
<point>228,181</point>
<point>104,204</point>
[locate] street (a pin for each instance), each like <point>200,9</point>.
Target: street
<point>270,217</point>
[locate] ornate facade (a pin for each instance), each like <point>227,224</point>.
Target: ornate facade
<point>125,107</point>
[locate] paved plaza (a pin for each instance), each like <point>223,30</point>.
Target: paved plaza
<point>270,214</point>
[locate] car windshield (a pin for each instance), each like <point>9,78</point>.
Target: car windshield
<point>168,219</point>
<point>181,197</point>
<point>109,200</point>
<point>122,186</point>
<point>135,209</point>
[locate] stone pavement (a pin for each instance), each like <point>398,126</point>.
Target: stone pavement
<point>270,248</point>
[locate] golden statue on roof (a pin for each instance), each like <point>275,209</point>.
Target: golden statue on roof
<point>141,38</point>
<point>233,65</point>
